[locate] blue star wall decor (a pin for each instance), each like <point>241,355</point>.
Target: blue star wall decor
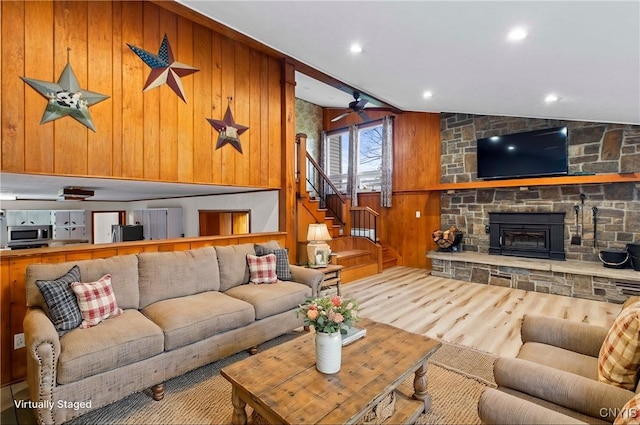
<point>66,98</point>
<point>164,68</point>
<point>229,131</point>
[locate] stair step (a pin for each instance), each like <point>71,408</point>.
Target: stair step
<point>358,271</point>
<point>389,262</point>
<point>352,257</point>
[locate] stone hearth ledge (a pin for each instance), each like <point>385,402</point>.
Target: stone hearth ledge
<point>571,267</point>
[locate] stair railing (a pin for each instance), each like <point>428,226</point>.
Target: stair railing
<point>364,223</point>
<point>311,179</point>
<point>322,187</point>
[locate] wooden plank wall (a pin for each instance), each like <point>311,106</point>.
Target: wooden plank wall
<point>416,154</point>
<point>14,264</point>
<point>152,135</point>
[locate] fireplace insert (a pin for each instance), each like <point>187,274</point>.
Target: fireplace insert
<point>531,235</point>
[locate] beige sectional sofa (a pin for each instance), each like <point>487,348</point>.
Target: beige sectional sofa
<point>181,310</point>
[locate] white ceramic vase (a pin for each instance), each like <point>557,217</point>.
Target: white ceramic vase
<point>328,352</point>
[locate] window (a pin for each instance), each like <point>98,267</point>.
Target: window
<point>338,162</point>
<point>369,158</point>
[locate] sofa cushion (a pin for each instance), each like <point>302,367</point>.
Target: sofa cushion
<point>122,268</point>
<point>269,300</point>
<point>189,319</point>
<point>620,354</point>
<point>262,269</point>
<point>62,306</point>
<point>232,261</point>
<point>559,358</point>
<point>174,274</point>
<point>116,342</point>
<point>283,271</point>
<point>96,301</point>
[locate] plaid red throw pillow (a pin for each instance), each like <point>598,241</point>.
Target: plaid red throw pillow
<point>96,300</point>
<point>262,269</point>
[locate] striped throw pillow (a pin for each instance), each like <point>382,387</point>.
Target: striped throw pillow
<point>96,300</point>
<point>619,357</point>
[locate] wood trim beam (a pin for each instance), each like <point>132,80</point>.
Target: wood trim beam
<point>287,196</point>
<point>218,27</point>
<point>335,83</point>
<point>192,15</point>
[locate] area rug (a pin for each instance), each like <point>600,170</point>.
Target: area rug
<point>456,376</point>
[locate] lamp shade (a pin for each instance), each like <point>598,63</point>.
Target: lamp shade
<point>318,232</point>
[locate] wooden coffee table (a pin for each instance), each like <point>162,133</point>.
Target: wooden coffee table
<point>284,387</point>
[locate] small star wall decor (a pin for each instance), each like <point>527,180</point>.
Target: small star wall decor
<point>164,68</point>
<point>66,98</point>
<point>229,131</point>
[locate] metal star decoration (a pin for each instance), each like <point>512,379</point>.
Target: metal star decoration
<point>164,68</point>
<point>66,98</point>
<point>229,131</point>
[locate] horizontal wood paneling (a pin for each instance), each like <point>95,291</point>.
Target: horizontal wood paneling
<point>13,266</point>
<point>150,135</point>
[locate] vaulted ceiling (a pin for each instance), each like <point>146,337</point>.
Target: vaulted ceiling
<point>586,53</point>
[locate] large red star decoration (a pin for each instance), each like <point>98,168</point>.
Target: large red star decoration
<point>164,68</point>
<point>229,131</point>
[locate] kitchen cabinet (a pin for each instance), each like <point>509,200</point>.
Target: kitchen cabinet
<point>159,223</point>
<point>28,217</point>
<point>68,224</point>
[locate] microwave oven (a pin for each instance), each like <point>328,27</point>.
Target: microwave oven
<point>28,235</point>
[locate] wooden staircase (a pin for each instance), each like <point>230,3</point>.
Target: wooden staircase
<point>390,257</point>
<point>312,205</point>
<point>361,255</point>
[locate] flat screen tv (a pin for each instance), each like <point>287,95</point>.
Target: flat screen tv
<point>529,154</point>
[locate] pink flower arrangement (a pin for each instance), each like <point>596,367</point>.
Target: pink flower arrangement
<point>329,314</point>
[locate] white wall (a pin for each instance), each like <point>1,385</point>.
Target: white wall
<point>263,206</point>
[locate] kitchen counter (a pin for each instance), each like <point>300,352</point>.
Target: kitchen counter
<point>62,242</point>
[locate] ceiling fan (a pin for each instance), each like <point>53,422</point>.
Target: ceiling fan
<point>357,106</point>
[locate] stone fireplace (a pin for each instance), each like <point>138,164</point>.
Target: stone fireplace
<point>594,148</point>
<point>527,234</point>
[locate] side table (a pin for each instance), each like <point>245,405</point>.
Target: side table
<point>331,283</point>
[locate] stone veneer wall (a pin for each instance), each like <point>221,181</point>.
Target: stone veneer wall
<point>593,147</point>
<point>582,282</point>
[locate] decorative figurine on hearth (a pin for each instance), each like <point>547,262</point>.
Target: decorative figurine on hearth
<point>448,240</point>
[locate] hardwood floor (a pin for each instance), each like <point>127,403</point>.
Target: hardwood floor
<point>484,317</point>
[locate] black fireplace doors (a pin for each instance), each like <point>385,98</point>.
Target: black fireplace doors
<point>531,235</point>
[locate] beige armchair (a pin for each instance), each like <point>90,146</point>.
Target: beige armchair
<point>554,378</point>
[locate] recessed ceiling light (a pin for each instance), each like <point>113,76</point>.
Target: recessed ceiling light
<point>427,94</point>
<point>551,98</point>
<point>356,48</point>
<point>517,34</point>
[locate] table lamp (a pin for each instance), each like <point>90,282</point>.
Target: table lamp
<point>318,250</point>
